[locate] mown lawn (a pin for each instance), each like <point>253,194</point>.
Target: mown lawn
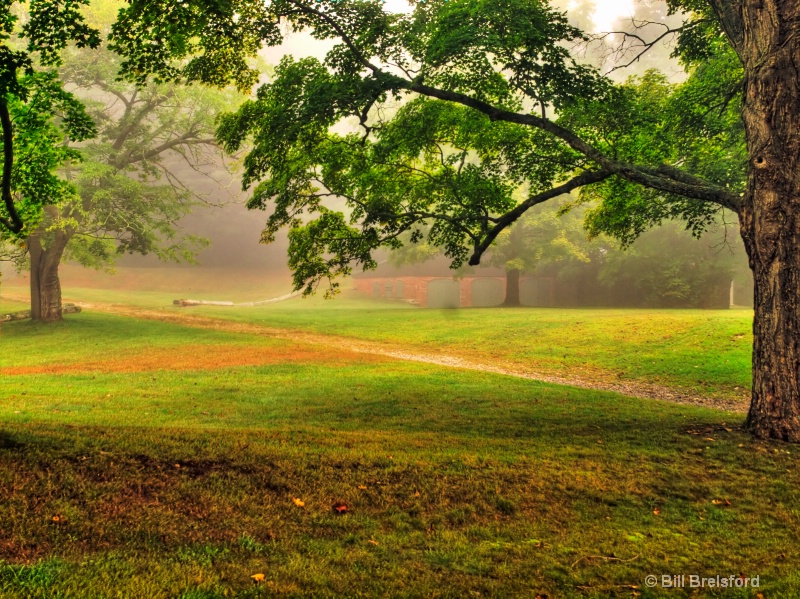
<point>699,351</point>
<point>7,305</point>
<point>157,287</point>
<point>147,459</point>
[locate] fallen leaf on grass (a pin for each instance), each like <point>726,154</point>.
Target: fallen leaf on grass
<point>416,493</point>
<point>340,508</point>
<point>720,502</point>
<point>258,577</point>
<point>372,542</point>
<point>362,487</point>
<point>298,502</point>
<point>657,512</point>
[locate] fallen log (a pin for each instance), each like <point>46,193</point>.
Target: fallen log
<point>25,314</point>
<point>190,302</point>
<point>22,315</point>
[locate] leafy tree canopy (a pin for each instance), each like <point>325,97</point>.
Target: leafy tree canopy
<point>132,185</point>
<point>490,95</point>
<point>120,192</point>
<point>38,125</point>
<point>36,113</point>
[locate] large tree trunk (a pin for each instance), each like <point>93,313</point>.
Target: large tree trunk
<point>512,288</point>
<point>45,284</point>
<point>770,216</point>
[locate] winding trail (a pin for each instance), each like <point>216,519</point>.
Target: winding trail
<point>630,388</point>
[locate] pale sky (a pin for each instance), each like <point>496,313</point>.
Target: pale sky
<point>301,44</point>
<point>606,13</point>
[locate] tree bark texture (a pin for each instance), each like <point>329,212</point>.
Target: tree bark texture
<point>770,213</point>
<point>45,284</point>
<point>512,288</point>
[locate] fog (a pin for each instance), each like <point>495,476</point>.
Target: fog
<point>235,232</point>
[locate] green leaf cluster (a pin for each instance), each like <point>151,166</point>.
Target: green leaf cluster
<point>38,114</point>
<point>433,169</point>
<point>423,126</point>
<point>42,122</point>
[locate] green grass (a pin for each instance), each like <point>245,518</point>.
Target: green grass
<point>91,336</point>
<point>700,352</point>
<point>171,484</point>
<point>703,352</point>
<point>158,287</point>
<point>8,305</point>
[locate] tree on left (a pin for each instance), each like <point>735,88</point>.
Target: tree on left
<point>37,114</point>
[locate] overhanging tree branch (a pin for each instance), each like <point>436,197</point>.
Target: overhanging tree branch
<point>664,180</point>
<point>633,45</point>
<point>512,216</point>
<point>187,139</point>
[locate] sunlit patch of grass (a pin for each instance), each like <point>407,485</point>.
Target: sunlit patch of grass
<point>34,580</point>
<point>92,336</point>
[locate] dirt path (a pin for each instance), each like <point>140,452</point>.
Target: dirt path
<point>629,387</point>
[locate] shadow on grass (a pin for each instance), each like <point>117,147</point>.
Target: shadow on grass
<point>471,503</point>
<point>9,441</point>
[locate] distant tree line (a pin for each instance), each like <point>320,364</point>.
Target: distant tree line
<point>666,267</point>
<point>693,273</point>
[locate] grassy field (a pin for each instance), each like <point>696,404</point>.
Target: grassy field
<point>699,352</point>
<point>158,287</point>
<point>146,459</point>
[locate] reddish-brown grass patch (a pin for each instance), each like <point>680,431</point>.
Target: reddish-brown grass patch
<point>202,357</point>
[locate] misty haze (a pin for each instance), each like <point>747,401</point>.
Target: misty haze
<point>353,298</point>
